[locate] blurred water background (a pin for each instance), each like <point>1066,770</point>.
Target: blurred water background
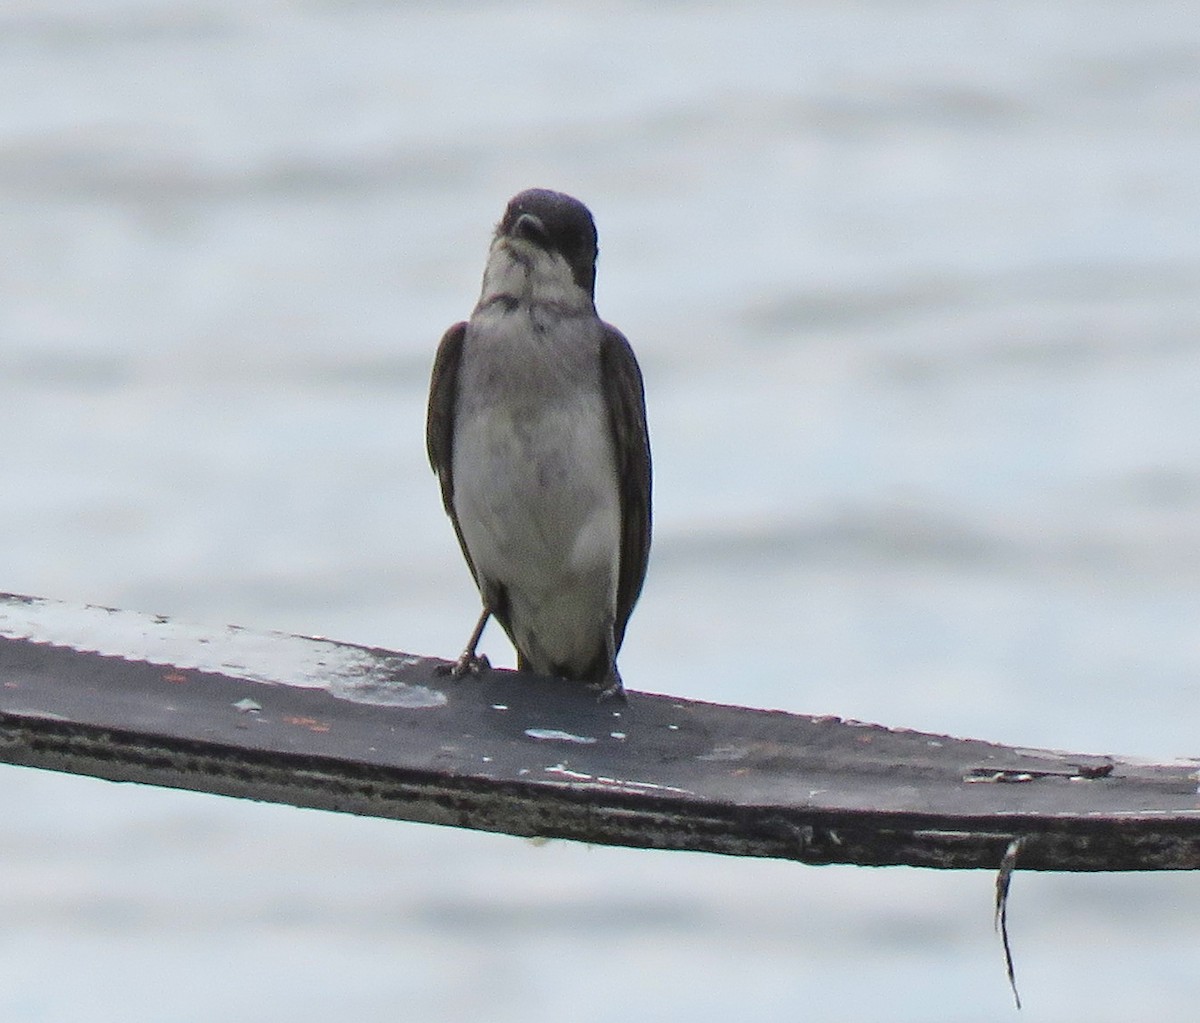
<point>916,290</point>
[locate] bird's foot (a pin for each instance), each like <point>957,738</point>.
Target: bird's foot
<point>468,663</point>
<point>610,691</point>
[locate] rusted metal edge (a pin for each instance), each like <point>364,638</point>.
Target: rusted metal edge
<point>377,733</point>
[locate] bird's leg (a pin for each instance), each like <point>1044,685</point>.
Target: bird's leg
<point>469,662</point>
<point>610,687</point>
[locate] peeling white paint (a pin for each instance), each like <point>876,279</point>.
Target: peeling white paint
<point>555,735</point>
<point>562,771</point>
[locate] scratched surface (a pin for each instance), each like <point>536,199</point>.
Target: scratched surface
<point>317,723</point>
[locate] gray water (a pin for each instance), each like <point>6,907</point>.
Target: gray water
<point>916,292</point>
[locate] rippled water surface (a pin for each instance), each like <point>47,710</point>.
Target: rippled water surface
<point>916,292</point>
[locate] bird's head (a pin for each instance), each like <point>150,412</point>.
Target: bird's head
<point>550,239</point>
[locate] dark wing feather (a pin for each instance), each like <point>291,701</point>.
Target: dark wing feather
<point>439,423</point>
<point>625,396</point>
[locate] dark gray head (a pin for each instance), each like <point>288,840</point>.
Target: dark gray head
<point>557,223</point>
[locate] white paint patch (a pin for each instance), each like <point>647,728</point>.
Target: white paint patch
<point>604,783</point>
<point>273,658</point>
<point>554,735</point>
<point>651,786</point>
<point>562,771</point>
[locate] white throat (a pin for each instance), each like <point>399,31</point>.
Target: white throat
<point>528,274</point>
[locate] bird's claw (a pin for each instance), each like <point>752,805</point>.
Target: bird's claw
<point>467,664</point>
<point>610,691</point>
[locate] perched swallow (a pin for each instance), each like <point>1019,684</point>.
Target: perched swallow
<point>537,433</point>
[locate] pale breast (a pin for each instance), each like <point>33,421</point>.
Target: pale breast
<point>535,484</point>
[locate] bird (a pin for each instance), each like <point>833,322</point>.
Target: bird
<point>536,430</point>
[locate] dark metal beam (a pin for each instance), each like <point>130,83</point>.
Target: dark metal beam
<point>316,723</point>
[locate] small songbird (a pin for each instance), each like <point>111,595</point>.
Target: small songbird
<point>537,433</point>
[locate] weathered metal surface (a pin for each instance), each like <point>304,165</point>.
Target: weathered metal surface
<point>316,723</point>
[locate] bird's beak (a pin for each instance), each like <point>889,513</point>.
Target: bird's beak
<point>531,229</point>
